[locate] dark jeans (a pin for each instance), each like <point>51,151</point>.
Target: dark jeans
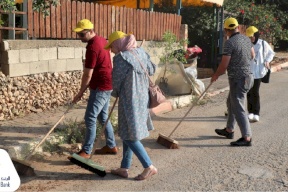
<point>253,98</point>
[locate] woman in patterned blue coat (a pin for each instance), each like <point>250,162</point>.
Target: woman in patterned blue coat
<point>130,84</point>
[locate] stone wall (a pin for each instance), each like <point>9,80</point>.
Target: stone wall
<point>27,57</point>
<point>35,93</point>
<point>40,75</point>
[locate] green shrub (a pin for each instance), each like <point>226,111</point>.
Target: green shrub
<point>73,131</point>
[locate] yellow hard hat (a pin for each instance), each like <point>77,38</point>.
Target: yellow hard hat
<point>231,23</point>
<point>250,31</point>
<point>113,37</point>
<point>82,25</point>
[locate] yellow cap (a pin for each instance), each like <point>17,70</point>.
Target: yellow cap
<point>250,31</point>
<point>82,25</point>
<point>231,23</point>
<point>113,37</point>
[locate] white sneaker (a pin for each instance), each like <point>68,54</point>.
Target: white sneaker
<point>251,117</point>
<point>256,118</point>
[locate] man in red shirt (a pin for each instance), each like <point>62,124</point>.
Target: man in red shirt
<point>97,75</point>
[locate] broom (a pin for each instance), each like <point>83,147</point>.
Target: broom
<point>23,167</point>
<point>88,164</point>
<point>169,142</point>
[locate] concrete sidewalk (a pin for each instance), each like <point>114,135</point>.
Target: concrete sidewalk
<point>18,135</point>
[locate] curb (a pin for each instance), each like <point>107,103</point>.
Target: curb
<point>179,102</point>
<point>279,67</point>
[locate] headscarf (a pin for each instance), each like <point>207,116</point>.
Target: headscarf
<point>124,44</point>
<point>256,35</point>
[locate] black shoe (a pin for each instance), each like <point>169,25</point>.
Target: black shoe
<point>241,142</point>
<point>225,133</point>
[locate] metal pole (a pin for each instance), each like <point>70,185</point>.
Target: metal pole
<point>217,36</point>
<point>11,18</point>
<point>221,31</point>
<point>151,7</point>
<point>25,20</point>
<point>179,6</point>
<point>212,61</point>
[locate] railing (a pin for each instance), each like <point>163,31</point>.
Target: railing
<point>11,28</point>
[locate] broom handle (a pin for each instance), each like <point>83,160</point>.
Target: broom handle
<point>200,97</point>
<point>29,156</point>
<point>103,129</point>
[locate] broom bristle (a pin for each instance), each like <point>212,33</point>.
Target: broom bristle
<point>88,165</point>
<point>167,142</point>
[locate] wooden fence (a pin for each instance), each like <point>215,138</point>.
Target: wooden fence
<point>143,24</point>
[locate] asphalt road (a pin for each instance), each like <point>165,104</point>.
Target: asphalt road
<point>205,162</point>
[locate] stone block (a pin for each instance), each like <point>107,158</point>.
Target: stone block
<point>66,52</point>
<point>78,53</point>
<point>14,70</point>
<point>74,64</point>
<point>29,55</point>
<point>47,53</point>
<point>57,65</point>
<point>10,57</point>
<point>38,67</point>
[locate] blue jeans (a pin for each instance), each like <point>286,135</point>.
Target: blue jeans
<point>130,147</point>
<point>97,108</point>
<point>236,105</point>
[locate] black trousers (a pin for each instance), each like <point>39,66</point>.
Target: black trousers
<point>253,98</point>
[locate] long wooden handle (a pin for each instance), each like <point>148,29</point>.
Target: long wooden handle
<point>103,129</point>
<point>194,103</point>
<point>62,117</point>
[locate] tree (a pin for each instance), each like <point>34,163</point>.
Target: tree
<point>268,18</point>
<point>38,5</point>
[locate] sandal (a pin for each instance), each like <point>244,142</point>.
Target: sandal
<point>119,172</point>
<point>140,177</point>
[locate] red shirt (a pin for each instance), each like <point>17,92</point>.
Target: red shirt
<point>99,59</point>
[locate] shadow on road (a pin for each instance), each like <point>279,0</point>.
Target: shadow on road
<point>65,176</point>
<point>204,119</point>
